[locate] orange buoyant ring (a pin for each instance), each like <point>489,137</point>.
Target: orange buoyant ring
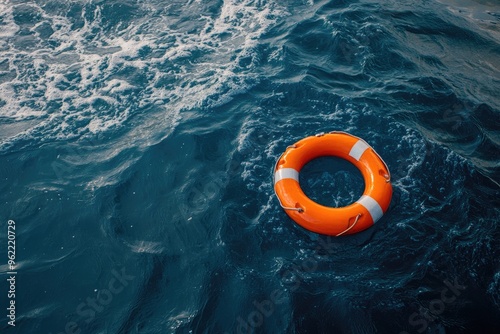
<point>315,217</point>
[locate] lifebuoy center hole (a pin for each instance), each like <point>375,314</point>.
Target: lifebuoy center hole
<point>331,181</point>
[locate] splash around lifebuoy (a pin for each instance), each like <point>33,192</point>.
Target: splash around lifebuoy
<point>315,217</point>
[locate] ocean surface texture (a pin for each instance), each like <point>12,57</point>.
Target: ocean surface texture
<point>137,147</point>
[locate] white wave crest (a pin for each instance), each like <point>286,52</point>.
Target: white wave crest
<point>81,74</point>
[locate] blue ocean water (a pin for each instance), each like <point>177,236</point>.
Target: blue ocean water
<point>137,145</point>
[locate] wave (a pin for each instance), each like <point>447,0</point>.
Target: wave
<point>82,72</point>
<point>79,71</point>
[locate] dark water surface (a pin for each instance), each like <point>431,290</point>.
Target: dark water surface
<point>138,139</point>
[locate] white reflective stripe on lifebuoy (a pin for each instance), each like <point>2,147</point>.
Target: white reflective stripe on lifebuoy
<point>372,206</point>
<point>358,149</point>
<point>286,173</point>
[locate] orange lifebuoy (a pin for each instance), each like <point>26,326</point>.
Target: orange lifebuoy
<point>350,219</point>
